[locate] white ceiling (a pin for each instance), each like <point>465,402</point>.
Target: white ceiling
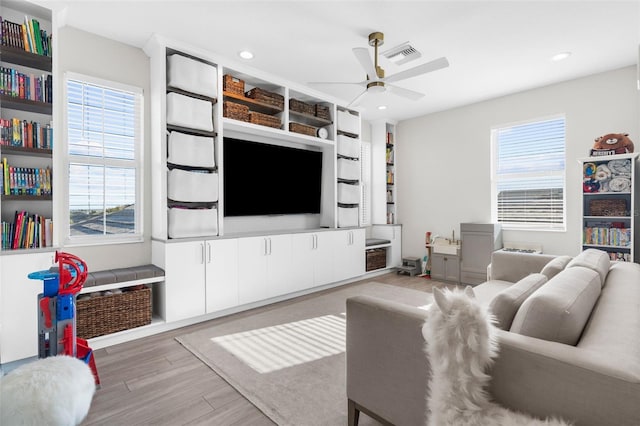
<point>494,47</point>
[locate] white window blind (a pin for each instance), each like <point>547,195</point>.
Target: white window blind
<point>529,175</point>
<point>104,136</point>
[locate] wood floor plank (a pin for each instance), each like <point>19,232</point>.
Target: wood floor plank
<point>156,381</point>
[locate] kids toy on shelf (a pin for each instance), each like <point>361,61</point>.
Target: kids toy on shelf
<point>57,310</point>
<point>612,143</point>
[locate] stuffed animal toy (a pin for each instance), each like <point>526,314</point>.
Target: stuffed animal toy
<point>618,142</point>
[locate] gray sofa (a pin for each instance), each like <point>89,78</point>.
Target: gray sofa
<point>569,344</point>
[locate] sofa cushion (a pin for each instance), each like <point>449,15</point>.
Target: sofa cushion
<point>486,291</point>
<point>514,266</point>
<point>559,310</point>
<point>597,260</point>
<point>506,303</point>
<point>555,266</point>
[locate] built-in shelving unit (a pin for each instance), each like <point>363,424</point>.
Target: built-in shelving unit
<point>348,160</point>
<point>27,136</point>
<point>609,205</point>
<point>390,156</point>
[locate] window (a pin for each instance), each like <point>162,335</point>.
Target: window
<point>528,175</point>
<point>104,141</point>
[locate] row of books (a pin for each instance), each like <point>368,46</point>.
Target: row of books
<point>604,236</point>
<point>25,134</point>
<point>390,140</point>
<point>24,180</point>
<point>27,36</point>
<point>389,156</point>
<point>27,231</point>
<point>26,86</point>
<point>390,176</point>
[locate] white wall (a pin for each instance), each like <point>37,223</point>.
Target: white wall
<point>86,53</point>
<point>445,157</point>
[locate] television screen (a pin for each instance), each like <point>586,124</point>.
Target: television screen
<point>265,179</point>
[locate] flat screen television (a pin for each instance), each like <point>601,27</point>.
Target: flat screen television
<point>266,179</point>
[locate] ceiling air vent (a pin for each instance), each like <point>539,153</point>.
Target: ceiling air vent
<point>402,54</point>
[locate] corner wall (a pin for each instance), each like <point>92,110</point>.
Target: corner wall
<point>446,156</point>
<point>86,53</point>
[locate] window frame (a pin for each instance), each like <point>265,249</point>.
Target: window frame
<point>511,226</point>
<point>137,163</point>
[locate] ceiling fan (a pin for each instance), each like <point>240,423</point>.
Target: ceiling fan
<point>376,81</point>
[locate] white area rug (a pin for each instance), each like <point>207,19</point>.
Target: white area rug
<point>289,361</point>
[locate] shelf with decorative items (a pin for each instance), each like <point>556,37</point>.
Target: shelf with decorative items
<point>390,164</point>
<point>26,133</point>
<point>310,116</point>
<point>609,205</point>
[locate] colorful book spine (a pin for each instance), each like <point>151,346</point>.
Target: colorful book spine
<point>28,230</point>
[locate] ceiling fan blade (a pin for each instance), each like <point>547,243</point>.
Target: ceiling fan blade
<point>357,99</point>
<point>420,69</point>
<point>325,83</point>
<point>405,93</point>
<point>364,57</point>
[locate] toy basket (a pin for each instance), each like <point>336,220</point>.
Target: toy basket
<point>376,259</point>
<point>608,207</point>
<point>100,315</point>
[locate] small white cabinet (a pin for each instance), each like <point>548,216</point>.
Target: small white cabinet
<point>349,253</point>
<point>312,259</point>
<point>478,242</point>
<point>19,304</point>
<point>221,274</point>
<point>393,233</point>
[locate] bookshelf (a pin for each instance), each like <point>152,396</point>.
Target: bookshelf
<point>609,205</point>
<point>26,133</point>
<point>390,163</point>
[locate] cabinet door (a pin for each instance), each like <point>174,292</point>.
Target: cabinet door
<point>185,280</point>
<point>349,255</point>
<point>252,269</point>
<point>303,259</point>
<point>279,275</point>
<point>438,267</point>
<point>476,251</point>
<point>323,268</point>
<point>221,274</point>
<point>19,304</point>
<point>452,269</point>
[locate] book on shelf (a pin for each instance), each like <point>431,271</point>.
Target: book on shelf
<point>25,180</point>
<point>607,236</point>
<point>27,36</point>
<point>31,87</point>
<point>27,231</point>
<point>390,138</point>
<point>25,134</point>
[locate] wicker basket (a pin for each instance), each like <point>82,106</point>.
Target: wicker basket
<point>235,110</point>
<point>100,315</point>
<point>264,119</point>
<point>232,84</point>
<point>608,207</point>
<point>323,112</point>
<point>376,259</point>
<point>303,129</point>
<point>273,99</point>
<point>301,107</point>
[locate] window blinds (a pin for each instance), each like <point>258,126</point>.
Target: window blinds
<point>529,177</point>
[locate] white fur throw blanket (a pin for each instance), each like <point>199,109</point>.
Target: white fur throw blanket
<point>461,343</point>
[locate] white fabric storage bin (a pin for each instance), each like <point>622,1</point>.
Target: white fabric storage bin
<point>190,150</point>
<point>348,169</point>
<point>184,223</point>
<point>192,186</point>
<point>348,193</point>
<point>189,112</point>
<point>349,123</point>
<point>349,147</point>
<point>347,217</point>
<point>192,75</point>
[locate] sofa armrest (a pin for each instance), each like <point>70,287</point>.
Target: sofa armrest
<point>513,266</point>
<point>387,368</point>
<point>548,378</point>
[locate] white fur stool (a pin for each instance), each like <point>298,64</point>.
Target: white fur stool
<point>55,391</point>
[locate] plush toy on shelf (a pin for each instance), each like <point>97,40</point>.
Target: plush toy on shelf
<point>612,143</point>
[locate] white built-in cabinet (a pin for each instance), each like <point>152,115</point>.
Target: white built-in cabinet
<point>349,255</point>
<point>222,268</point>
<point>312,259</point>
<point>393,233</point>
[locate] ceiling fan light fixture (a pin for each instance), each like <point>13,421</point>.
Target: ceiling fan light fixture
<point>376,87</point>
<point>560,56</point>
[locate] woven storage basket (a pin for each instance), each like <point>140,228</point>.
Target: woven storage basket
<point>232,84</point>
<point>608,207</point>
<point>100,315</point>
<point>273,99</point>
<point>376,259</point>
<point>235,110</point>
<point>303,129</point>
<point>264,119</point>
<point>322,111</point>
<point>302,107</point>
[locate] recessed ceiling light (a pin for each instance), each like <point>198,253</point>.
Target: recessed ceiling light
<point>245,54</point>
<point>560,56</point>
<point>382,107</point>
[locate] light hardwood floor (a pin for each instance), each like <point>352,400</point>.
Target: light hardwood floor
<point>156,381</point>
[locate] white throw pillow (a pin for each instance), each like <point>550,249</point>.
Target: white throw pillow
<point>555,266</point>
